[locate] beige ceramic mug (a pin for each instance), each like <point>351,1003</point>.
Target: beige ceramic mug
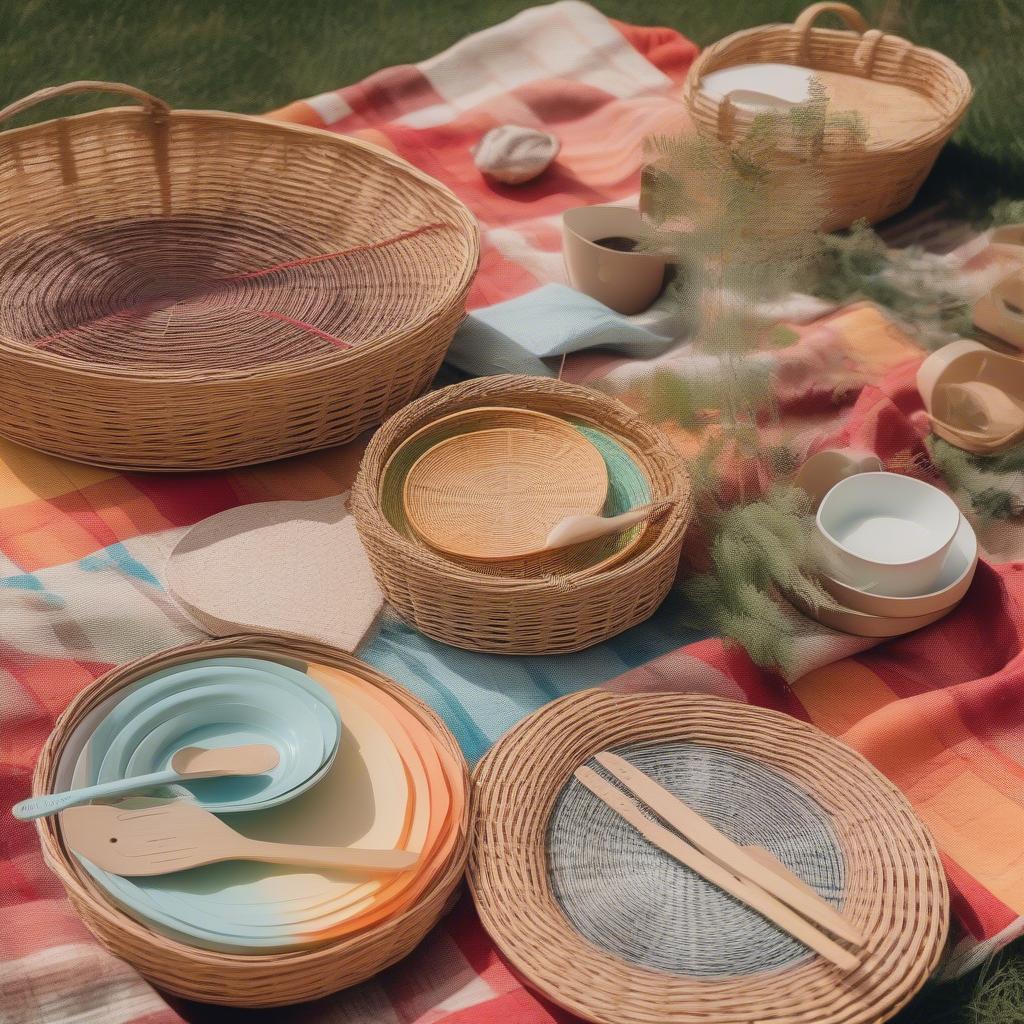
<point>627,282</point>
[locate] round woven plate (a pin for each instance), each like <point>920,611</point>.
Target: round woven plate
<point>628,487</point>
<point>609,928</point>
<point>494,494</point>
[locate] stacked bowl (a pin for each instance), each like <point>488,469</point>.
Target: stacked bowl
<point>898,553</point>
<point>362,766</point>
<point>458,492</point>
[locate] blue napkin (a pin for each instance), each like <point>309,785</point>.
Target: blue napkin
<point>551,321</point>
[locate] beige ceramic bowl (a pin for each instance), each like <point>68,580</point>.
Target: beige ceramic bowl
<point>627,282</point>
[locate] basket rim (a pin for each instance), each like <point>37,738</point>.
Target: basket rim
<point>595,711</point>
<point>669,529</point>
<point>462,221</point>
<point>952,113</point>
<point>71,875</point>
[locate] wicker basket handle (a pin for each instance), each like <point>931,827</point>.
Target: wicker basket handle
<point>803,24</point>
<point>156,107</point>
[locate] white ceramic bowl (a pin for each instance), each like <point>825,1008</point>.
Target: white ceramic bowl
<point>887,534</point>
<point>627,282</point>
<point>948,590</point>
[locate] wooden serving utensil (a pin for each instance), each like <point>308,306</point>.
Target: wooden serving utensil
<point>175,836</point>
<point>577,529</point>
<point>187,764</point>
<point>753,896</point>
<point>699,831</point>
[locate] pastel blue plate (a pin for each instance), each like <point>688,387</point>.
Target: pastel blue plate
<point>152,688</point>
<point>224,716</point>
<point>222,702</point>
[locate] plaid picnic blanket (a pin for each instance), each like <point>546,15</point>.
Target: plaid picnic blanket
<point>81,551</point>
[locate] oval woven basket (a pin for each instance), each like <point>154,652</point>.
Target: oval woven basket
<point>873,180</point>
<point>467,608</point>
<point>233,979</point>
<point>583,910</point>
<point>196,290</point>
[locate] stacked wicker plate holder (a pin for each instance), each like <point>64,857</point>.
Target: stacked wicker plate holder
<point>544,614</point>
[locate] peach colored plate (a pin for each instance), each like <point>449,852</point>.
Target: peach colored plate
<point>496,494</point>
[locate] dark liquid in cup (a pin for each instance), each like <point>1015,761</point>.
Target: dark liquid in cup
<point>618,242</point>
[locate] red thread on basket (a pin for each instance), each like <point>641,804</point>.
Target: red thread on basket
<point>212,287</point>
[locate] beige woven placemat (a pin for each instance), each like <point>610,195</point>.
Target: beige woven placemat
<point>297,568</point>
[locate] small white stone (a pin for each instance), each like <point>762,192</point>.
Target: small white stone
<point>512,155</point>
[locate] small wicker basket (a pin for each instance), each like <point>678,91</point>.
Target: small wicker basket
<point>548,614</point>
<point>188,290</point>
<point>234,979</point>
<point>871,181</point>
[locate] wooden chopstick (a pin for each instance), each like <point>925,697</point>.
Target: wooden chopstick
<point>755,898</point>
<point>719,847</point>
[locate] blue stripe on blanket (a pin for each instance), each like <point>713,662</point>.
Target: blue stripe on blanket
<point>481,696</point>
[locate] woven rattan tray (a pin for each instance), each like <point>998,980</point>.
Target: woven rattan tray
<point>497,493</point>
<point>628,488</point>
<point>235,979</point>
<point>873,180</point>
<point>541,861</point>
<point>195,290</point>
<point>468,608</point>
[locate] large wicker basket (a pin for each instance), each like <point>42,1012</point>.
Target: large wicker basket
<point>194,290</point>
<point>231,979</point>
<point>545,614</point>
<point>870,181</point>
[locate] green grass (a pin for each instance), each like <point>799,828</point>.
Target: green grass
<point>253,55</point>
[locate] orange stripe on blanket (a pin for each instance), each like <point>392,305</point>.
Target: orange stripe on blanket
<point>981,829</point>
<point>960,788</point>
<point>299,112</point>
<point>26,475</point>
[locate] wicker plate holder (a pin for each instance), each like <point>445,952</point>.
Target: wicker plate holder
<point>896,887</point>
<point>873,182</point>
<point>546,615</point>
<point>163,187</point>
<point>234,979</point>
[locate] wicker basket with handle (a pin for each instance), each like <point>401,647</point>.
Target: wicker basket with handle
<point>195,290</point>
<point>871,180</point>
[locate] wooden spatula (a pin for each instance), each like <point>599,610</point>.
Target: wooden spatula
<point>175,836</point>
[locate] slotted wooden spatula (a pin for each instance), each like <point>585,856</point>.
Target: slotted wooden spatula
<point>175,836</point>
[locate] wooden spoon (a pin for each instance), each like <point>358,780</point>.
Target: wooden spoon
<point>175,836</point>
<point>188,763</point>
<point>577,529</point>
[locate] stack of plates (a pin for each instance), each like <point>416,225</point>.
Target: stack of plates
<point>482,488</point>
<point>357,769</point>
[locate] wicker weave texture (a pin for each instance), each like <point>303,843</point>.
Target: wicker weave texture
<point>497,493</point>
<point>197,290</point>
<point>872,181</point>
<point>236,979</point>
<point>627,488</point>
<point>462,606</point>
<point>893,884</point>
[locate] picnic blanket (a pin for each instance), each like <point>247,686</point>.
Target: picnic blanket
<point>81,549</point>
